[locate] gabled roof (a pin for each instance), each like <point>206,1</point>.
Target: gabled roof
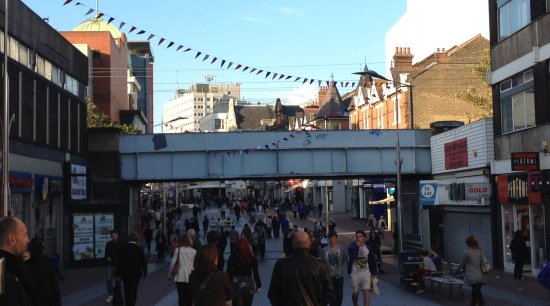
<point>250,116</point>
<point>332,105</point>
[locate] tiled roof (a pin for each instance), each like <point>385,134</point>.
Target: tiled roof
<point>332,105</point>
<point>249,116</point>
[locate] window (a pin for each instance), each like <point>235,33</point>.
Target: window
<point>47,70</point>
<point>518,103</point>
<point>379,118</point>
<point>366,124</point>
<point>512,16</point>
<point>14,49</point>
<point>218,124</point>
<point>40,64</point>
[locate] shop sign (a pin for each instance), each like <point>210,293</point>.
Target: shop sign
<point>525,161</point>
<point>476,191</point>
<point>456,154</point>
<point>513,189</point>
<point>78,182</point>
<point>428,192</point>
<point>48,186</point>
<point>20,182</point>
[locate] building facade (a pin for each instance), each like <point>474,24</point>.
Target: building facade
<point>520,78</point>
<point>47,99</point>
<point>142,63</point>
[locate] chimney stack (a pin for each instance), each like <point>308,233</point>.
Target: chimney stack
<point>402,58</point>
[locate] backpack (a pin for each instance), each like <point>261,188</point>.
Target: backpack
<point>485,264</point>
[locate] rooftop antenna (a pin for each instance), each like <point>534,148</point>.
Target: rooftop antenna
<point>96,9</point>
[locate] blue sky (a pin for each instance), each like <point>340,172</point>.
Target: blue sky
<point>312,39</point>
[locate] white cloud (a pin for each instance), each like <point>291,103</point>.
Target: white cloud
<point>253,19</point>
<point>292,11</point>
<point>304,93</point>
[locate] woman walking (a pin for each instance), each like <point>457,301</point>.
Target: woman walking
<point>519,249</point>
<point>241,266</point>
<point>207,285</point>
<point>471,264</point>
<point>183,259</point>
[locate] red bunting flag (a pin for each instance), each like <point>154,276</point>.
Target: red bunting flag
<point>67,2</point>
<point>132,29</point>
<point>110,20</point>
<point>161,41</point>
<point>100,15</point>
<point>213,60</point>
<point>90,11</point>
<point>238,66</point>
<point>170,44</point>
<point>179,47</point>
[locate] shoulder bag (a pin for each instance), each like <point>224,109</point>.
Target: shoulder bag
<point>176,267</point>
<point>485,264</point>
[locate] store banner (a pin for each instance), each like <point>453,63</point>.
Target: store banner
<point>535,187</point>
<point>427,193</point>
<point>476,191</point>
<point>513,189</point>
<point>456,154</point>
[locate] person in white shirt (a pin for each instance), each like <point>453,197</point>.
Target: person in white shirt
<point>184,257</point>
<point>427,267</point>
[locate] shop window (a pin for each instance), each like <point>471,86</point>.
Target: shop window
<point>512,16</point>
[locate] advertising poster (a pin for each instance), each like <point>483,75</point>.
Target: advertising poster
<point>104,224</point>
<point>83,237</point>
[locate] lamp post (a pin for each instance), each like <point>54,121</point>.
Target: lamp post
<point>6,192</point>
<point>398,161</point>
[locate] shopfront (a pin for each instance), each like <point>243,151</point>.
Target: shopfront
<point>520,199</point>
<point>48,212</point>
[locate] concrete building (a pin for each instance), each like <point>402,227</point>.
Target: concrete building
<point>520,60</point>
<point>184,112</point>
<point>142,64</point>
<point>48,139</point>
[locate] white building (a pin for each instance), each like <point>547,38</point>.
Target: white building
<point>184,112</point>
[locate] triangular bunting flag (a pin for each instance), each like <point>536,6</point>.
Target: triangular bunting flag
<point>297,78</point>
<point>274,76</point>
<point>267,147</point>
<point>213,60</point>
<point>141,32</point>
<point>100,15</point>
<point>170,44</point>
<point>311,82</point>
<point>90,11</point>
<point>161,41</point>
<point>347,83</point>
<point>223,63</point>
<point>150,36</point>
<point>259,71</point>
<point>274,144</point>
<point>78,3</point>
<point>110,20</point>
<point>206,57</point>
<point>229,65</point>
<point>121,25</point>
<point>341,84</point>
<point>67,2</point>
<point>198,54</point>
<point>253,69</point>
<point>238,66</point>
<point>288,77</point>
<point>132,29</point>
<point>305,80</point>
<point>267,74</point>
<point>179,47</point>
<point>282,76</point>
<point>245,69</point>
<point>353,84</point>
<point>286,139</point>
<point>188,49</point>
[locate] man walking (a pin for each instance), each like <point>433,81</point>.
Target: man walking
<point>361,267</point>
<point>13,243</point>
<point>300,279</point>
<point>336,258</point>
<point>112,253</point>
<point>131,266</point>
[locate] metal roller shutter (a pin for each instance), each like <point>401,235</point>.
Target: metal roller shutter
<point>458,225</point>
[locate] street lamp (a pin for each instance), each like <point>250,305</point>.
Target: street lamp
<point>6,192</point>
<point>374,74</point>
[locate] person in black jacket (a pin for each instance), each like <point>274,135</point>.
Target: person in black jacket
<point>13,243</point>
<point>112,252</point>
<point>300,279</point>
<point>241,265</point>
<point>519,249</point>
<point>43,276</point>
<point>131,267</point>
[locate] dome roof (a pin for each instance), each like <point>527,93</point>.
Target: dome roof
<point>98,25</point>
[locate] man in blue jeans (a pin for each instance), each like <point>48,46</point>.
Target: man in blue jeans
<point>336,257</point>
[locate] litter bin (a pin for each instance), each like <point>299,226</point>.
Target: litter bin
<point>409,260</point>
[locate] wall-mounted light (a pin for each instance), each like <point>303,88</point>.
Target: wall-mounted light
<point>544,146</point>
<point>474,151</point>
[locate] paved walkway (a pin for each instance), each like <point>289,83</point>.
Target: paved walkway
<point>86,286</point>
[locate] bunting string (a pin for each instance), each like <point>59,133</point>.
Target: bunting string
<point>161,39</point>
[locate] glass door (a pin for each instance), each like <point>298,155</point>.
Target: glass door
<point>537,238</point>
<point>508,234</point>
<point>523,223</point>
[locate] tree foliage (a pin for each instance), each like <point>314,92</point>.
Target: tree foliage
<point>96,118</point>
<point>482,100</point>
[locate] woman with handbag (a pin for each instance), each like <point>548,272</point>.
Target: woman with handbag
<point>207,285</point>
<point>471,265</point>
<point>181,267</point>
<point>241,265</point>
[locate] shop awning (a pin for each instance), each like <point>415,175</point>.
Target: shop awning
<point>383,201</point>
